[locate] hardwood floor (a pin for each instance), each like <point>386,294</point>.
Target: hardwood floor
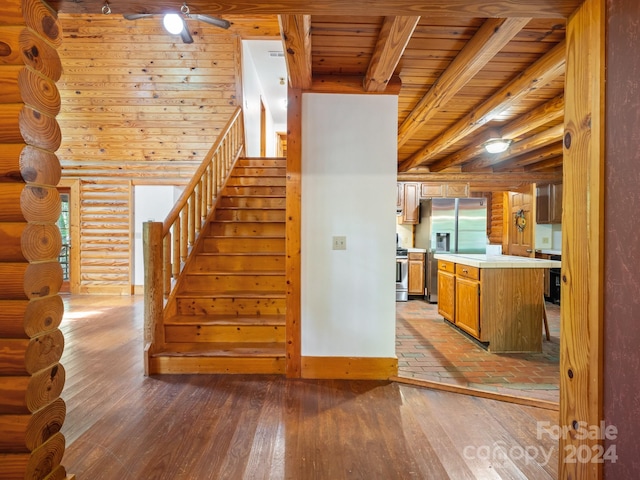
<point>122,425</point>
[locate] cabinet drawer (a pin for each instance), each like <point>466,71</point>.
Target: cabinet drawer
<point>468,272</point>
<point>416,256</point>
<point>446,266</point>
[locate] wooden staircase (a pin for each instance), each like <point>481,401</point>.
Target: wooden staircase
<point>227,315</point>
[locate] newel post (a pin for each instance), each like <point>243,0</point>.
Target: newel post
<point>153,286</point>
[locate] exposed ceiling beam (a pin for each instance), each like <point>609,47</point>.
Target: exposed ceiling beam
<point>296,34</point>
<point>489,178</point>
<point>536,76</point>
<point>545,165</point>
<point>435,8</point>
<point>539,140</point>
<point>490,38</point>
<point>534,156</point>
<point>545,113</point>
<point>392,40</point>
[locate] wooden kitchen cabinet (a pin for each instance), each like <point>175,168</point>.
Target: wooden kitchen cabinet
<point>446,290</point>
<point>416,273</point>
<point>468,299</point>
<point>411,207</point>
<point>549,203</point>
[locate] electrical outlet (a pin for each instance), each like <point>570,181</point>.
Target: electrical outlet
<point>545,240</point>
<point>340,243</point>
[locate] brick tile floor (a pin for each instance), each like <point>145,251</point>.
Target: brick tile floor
<point>429,348</point>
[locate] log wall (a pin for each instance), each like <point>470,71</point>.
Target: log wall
<point>138,107</point>
<point>496,218</point>
<point>31,344</point>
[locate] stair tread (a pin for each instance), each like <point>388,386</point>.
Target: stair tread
<point>222,320</point>
<point>236,273</point>
<point>222,350</point>
<point>231,294</point>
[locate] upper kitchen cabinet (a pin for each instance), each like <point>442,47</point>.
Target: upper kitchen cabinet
<point>411,204</point>
<point>549,203</point>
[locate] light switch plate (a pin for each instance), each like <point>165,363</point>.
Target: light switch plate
<point>339,243</point>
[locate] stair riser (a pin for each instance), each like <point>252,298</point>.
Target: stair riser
<point>252,202</point>
<point>239,263</point>
<point>225,283</point>
<point>247,244</point>
<point>251,215</point>
<point>230,333</point>
<point>248,190</point>
<point>247,229</point>
<point>210,365</point>
<point>262,162</point>
<point>230,306</point>
<point>257,181</point>
<point>259,171</point>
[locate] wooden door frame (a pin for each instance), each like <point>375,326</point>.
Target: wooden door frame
<point>73,186</point>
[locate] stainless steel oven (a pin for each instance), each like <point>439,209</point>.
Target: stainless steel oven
<point>402,278</point>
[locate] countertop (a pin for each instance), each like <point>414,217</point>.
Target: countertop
<point>417,250</point>
<point>497,261</point>
<point>549,252</point>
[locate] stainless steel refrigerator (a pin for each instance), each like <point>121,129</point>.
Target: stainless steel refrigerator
<point>449,225</point>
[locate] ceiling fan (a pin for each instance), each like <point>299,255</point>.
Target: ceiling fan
<point>175,24</point>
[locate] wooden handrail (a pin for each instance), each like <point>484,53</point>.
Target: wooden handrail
<point>199,173</point>
<point>167,244</point>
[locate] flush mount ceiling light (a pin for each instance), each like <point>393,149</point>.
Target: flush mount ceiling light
<point>173,23</point>
<point>497,145</point>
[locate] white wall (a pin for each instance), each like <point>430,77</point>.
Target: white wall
<point>251,98</point>
<point>151,202</point>
<point>349,168</point>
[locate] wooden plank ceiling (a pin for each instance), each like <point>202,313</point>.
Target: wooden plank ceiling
<point>465,71</point>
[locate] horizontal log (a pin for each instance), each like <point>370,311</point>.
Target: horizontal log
<point>9,89</point>
<point>39,92</point>
<point>11,241</point>
<point>21,357</point>
<point>35,14</point>
<point>10,123</point>
<point>32,203</point>
<point>12,280</point>
<point>41,242</point>
<point>29,318</point>
<point>28,394</point>
<point>59,473</point>
<point>19,281</point>
<point>25,433</point>
<point>10,54</point>
<point>35,465</point>
<point>12,318</point>
<point>40,203</point>
<point>39,55</point>
<point>43,314</point>
<point>40,166</point>
<point>43,279</point>
<point>39,129</point>
<point>10,162</point>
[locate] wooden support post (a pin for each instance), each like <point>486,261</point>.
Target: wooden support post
<point>581,316</point>
<point>153,285</point>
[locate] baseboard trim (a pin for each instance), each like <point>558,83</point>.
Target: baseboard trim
<point>354,368</point>
<point>502,397</point>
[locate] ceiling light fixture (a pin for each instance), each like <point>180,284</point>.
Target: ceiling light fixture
<point>173,23</point>
<point>497,145</point>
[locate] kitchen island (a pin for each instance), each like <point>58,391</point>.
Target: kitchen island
<point>497,299</point>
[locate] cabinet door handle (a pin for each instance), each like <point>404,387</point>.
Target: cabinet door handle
<point>464,270</point>
<point>529,250</point>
